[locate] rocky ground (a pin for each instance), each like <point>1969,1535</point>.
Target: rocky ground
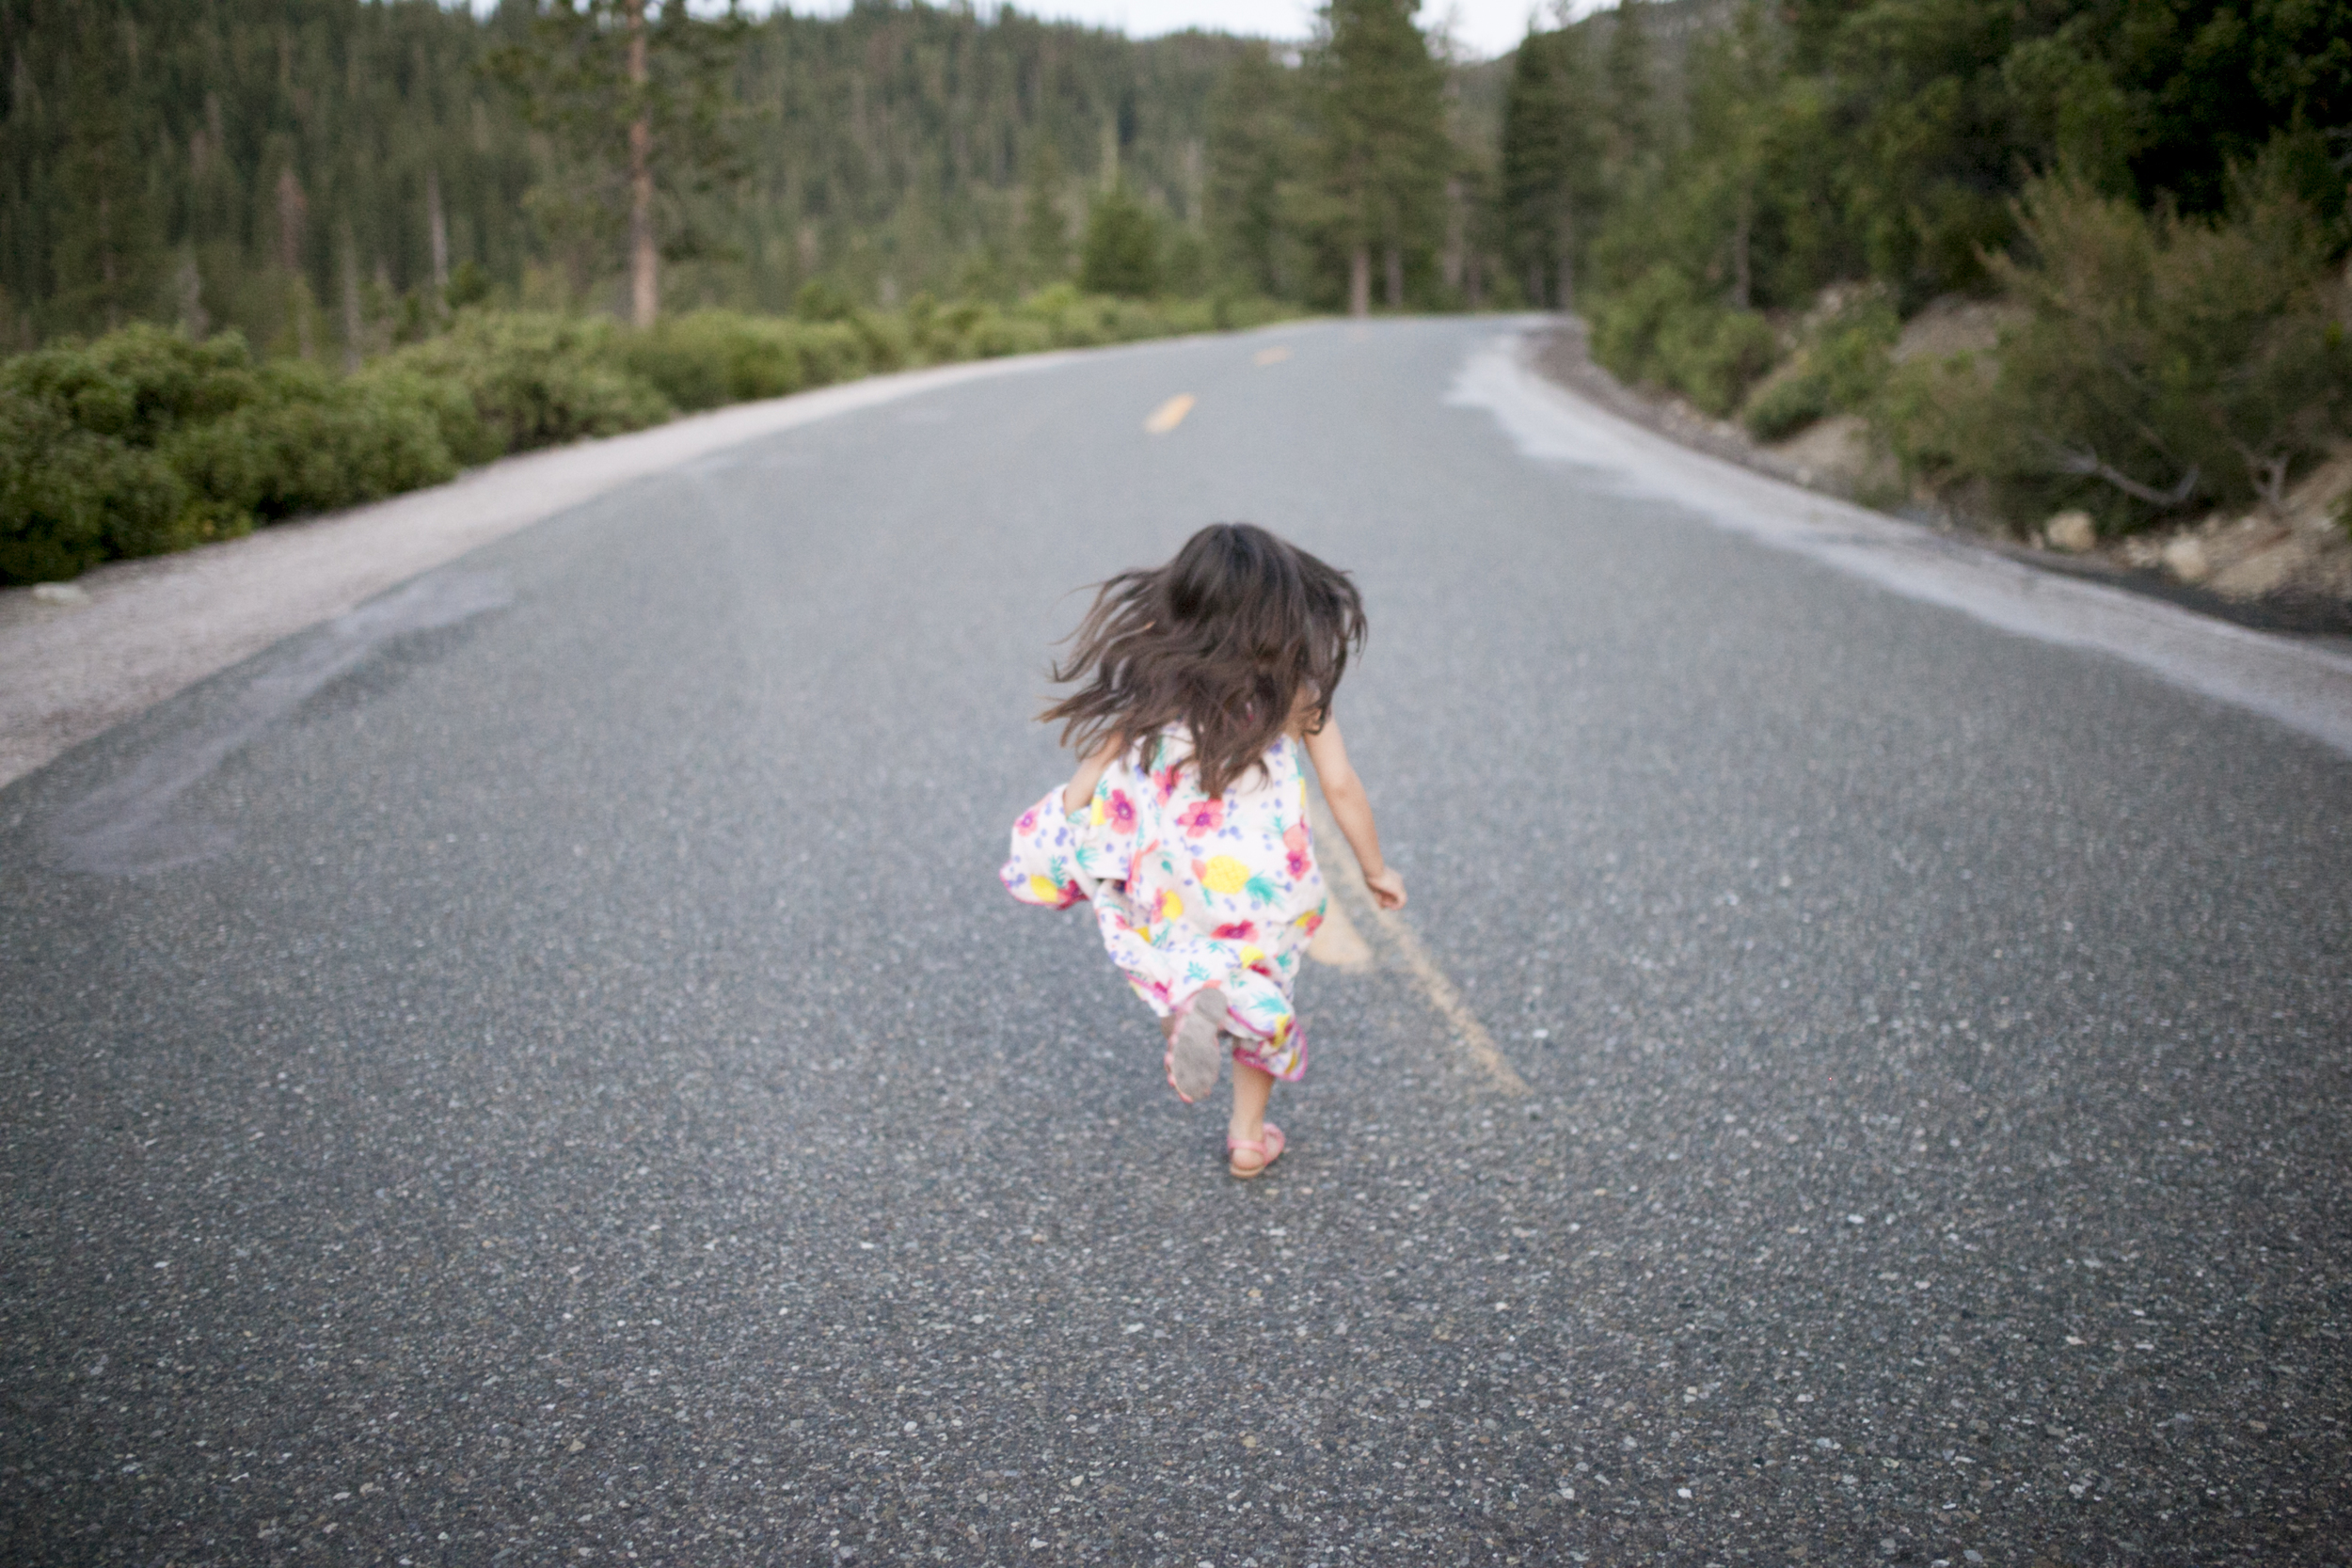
<point>2291,571</point>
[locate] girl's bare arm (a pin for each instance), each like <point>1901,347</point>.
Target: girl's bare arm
<point>1352,809</point>
<point>1089,774</point>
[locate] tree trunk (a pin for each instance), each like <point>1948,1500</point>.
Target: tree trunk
<point>1567,258</point>
<point>1535,284</point>
<point>194,320</point>
<point>1359,282</point>
<point>107,260</point>
<point>293,214</point>
<point>1396,277</point>
<point>645,286</point>
<point>1743,224</point>
<point>353,329</point>
<point>437,230</point>
<point>1452,259</point>
<point>1474,279</point>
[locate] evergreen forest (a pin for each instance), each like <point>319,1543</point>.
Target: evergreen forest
<point>396,217</point>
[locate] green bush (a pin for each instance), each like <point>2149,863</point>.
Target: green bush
<point>1713,356</point>
<point>1120,252</point>
<point>1658,331</point>
<point>309,443</point>
<point>71,498</point>
<point>1838,369</point>
<point>536,379</point>
<point>137,385</point>
<point>2163,366</point>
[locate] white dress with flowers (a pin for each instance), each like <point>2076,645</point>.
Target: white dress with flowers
<point>1190,892</point>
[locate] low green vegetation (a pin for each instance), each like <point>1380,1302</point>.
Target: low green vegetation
<point>1840,361</point>
<point>1662,330</point>
<point>146,440</point>
<point>2161,364</point>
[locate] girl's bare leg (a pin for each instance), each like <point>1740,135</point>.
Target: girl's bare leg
<point>1251,1088</point>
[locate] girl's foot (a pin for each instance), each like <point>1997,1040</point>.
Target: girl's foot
<point>1193,1057</point>
<point>1249,1157</point>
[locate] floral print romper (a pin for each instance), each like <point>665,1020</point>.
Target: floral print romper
<point>1190,891</point>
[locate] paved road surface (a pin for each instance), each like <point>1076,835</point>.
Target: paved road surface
<point>540,1071</point>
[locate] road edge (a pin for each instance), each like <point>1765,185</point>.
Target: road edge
<point>2304,686</point>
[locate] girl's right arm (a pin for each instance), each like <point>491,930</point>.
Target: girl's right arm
<point>1351,808</point>
<point>1089,774</point>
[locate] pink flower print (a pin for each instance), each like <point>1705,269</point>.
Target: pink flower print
<point>1201,817</point>
<point>1028,824</point>
<point>1164,780</point>
<point>1237,931</point>
<point>1295,840</point>
<point>1122,815</point>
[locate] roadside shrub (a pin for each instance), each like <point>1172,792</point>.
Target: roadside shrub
<point>139,384</point>
<point>2163,366</point>
<point>1658,331</point>
<point>308,443</point>
<point>71,498</point>
<point>1840,367</point>
<point>1713,356</point>
<point>447,404</point>
<point>1938,417</point>
<point>821,301</point>
<point>536,379</point>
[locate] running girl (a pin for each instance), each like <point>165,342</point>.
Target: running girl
<point>1187,822</point>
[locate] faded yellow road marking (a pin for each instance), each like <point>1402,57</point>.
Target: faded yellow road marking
<point>1347,949</point>
<point>1270,357</point>
<point>1169,415</point>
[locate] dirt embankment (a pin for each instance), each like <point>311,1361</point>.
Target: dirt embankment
<point>2291,572</point>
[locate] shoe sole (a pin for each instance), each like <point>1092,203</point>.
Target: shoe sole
<point>1195,1057</point>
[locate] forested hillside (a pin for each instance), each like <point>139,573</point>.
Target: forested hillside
<point>306,169</point>
<point>2155,190</point>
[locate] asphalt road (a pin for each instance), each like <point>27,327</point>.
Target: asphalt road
<point>541,1071</point>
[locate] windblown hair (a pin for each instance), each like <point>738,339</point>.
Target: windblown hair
<point>1233,638</point>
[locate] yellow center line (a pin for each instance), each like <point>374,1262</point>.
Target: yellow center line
<point>1169,415</point>
<point>1270,357</point>
<point>1346,949</point>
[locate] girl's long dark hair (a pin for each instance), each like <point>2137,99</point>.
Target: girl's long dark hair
<point>1228,639</point>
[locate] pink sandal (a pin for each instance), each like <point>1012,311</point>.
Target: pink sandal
<point>1195,1049</point>
<point>1268,1148</point>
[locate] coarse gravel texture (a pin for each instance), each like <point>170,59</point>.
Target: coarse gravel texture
<point>581,1096</point>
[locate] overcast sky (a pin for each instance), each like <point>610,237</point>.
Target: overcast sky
<point>1481,27</point>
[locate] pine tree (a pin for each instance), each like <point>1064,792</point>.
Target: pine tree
<point>1551,174</point>
<point>1384,148</point>
<point>1629,85</point>
<point>1253,162</point>
<point>1045,228</point>
<point>108,256</point>
<point>637,104</point>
